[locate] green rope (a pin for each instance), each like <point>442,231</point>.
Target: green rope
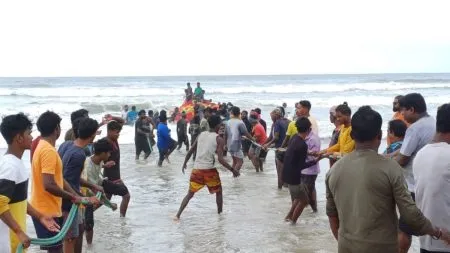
<point>62,233</point>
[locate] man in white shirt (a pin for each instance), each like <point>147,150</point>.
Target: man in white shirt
<point>431,169</point>
<point>419,134</point>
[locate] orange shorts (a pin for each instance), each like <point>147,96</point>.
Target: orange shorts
<point>209,177</point>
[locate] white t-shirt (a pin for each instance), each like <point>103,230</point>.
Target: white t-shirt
<point>431,168</point>
<point>13,185</point>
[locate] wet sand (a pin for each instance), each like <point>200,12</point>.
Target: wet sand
<point>252,219</point>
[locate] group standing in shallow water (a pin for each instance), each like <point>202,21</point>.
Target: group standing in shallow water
<point>363,187</point>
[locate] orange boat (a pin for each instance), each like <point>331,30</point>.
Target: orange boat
<point>188,108</point>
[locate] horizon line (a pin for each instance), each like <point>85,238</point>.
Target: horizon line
<point>215,75</point>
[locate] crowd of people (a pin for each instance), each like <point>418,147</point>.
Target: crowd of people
<point>363,186</point>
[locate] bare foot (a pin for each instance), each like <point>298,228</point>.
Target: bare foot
<point>287,219</point>
<point>114,206</point>
<point>176,219</point>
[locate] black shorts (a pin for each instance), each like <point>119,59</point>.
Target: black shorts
<point>112,188</point>
<point>279,156</point>
<point>142,144</point>
<point>403,226</point>
<point>89,218</point>
<point>246,146</point>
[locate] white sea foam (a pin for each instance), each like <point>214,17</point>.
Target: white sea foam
<point>106,95</point>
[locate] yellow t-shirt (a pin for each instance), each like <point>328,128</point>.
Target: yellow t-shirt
<point>46,160</point>
<point>345,142</point>
<point>292,129</point>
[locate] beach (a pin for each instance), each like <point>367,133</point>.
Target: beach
<point>252,220</point>
<point>254,208</point>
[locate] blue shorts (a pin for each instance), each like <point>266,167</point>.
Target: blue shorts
<point>74,229</point>
<point>43,233</point>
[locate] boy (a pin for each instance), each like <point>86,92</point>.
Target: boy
<point>182,132</point>
<point>396,134</point>
<point>142,135</point>
<point>93,171</point>
<point>16,130</point>
<point>204,172</point>
<point>294,163</point>
<point>73,156</point>
<point>114,184</point>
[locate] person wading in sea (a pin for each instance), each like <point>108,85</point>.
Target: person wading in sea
<point>204,172</point>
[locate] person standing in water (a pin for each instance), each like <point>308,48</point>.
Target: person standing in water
<point>363,190</point>
<point>277,135</point>
<point>256,153</point>
<point>16,130</point>
<point>235,130</point>
<point>182,132</point>
<point>335,134</point>
<point>194,131</point>
<point>166,145</point>
<point>204,172</point>
<point>295,163</point>
<point>142,136</point>
<point>246,143</point>
<point>132,115</point>
<point>204,126</point>
<point>114,185</point>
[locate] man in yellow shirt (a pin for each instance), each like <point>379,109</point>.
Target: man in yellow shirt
<point>302,110</point>
<point>345,143</point>
<point>16,130</point>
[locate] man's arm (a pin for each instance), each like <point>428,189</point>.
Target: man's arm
<point>51,187</point>
<point>93,187</point>
<point>188,155</point>
<point>220,146</point>
<point>409,146</point>
<point>285,141</point>
<point>412,216</point>
<point>331,209</point>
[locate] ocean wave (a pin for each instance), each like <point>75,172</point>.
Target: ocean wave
<point>126,91</point>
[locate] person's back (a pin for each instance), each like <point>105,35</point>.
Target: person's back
<point>131,116</point>
<point>235,129</point>
<point>367,179</point>
<point>163,134</point>
<point>206,150</point>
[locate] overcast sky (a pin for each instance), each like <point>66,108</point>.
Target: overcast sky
<point>104,38</point>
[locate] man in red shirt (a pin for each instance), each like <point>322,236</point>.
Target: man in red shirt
<point>256,153</point>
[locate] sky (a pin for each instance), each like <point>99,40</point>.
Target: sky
<point>158,38</point>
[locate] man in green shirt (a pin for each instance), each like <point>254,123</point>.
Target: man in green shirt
<point>364,188</point>
<point>198,92</point>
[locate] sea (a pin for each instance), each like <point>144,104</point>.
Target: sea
<point>102,95</point>
<point>254,209</point>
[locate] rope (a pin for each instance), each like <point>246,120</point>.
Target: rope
<point>62,233</point>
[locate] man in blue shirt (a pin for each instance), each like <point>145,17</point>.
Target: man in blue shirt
<point>166,145</point>
<point>132,115</point>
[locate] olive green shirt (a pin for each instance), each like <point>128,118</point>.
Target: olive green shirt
<point>363,189</point>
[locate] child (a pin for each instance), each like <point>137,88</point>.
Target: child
<point>92,169</point>
<point>396,132</point>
